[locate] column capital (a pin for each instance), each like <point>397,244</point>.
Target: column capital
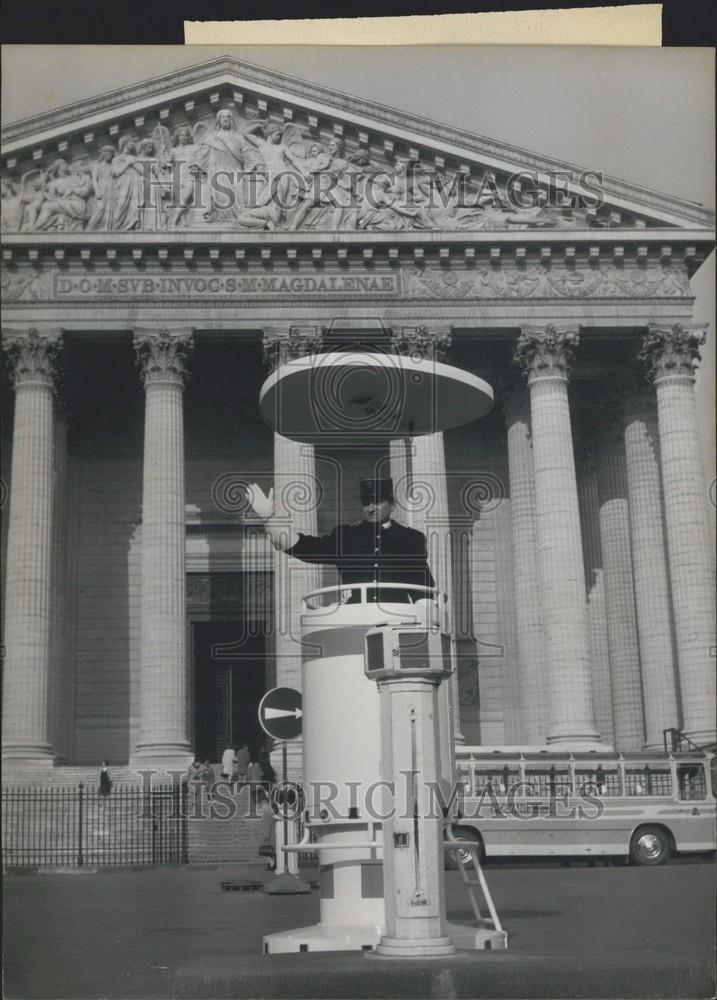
<point>282,344</point>
<point>546,351</point>
<point>33,355</point>
<point>163,354</point>
<point>431,342</point>
<point>672,350</point>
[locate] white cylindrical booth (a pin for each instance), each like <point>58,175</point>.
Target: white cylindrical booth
<point>342,759</point>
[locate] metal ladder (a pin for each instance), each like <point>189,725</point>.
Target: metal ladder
<point>474,881</point>
<point>473,885</point>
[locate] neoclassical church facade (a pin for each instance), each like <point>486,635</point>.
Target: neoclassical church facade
<point>168,244</point>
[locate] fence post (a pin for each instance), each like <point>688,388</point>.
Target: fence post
<point>80,859</point>
<point>184,793</point>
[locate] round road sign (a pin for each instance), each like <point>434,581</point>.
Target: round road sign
<point>280,713</point>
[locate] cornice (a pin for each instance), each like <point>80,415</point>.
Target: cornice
<point>226,71</point>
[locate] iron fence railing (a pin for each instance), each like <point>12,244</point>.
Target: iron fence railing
<point>76,826</point>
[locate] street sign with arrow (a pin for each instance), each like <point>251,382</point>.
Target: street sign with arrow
<point>280,713</point>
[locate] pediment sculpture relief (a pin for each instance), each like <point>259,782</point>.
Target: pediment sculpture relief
<point>256,174</point>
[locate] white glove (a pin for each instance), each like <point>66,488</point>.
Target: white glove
<point>262,503</point>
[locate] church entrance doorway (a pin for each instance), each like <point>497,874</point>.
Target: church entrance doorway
<point>229,681</point>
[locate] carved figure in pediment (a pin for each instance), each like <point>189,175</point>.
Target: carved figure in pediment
<point>382,207</point>
<point>64,203</point>
<point>224,154</point>
<point>152,214</point>
<point>180,158</point>
<point>280,148</point>
<point>350,190</point>
<point>102,183</point>
<point>322,200</point>
<point>33,192</point>
<point>128,182</point>
<point>13,207</point>
<point>416,190</point>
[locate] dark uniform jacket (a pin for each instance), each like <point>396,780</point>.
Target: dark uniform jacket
<point>370,553</point>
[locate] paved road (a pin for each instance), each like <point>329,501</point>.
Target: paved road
<point>125,934</point>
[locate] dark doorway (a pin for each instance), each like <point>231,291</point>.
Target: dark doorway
<point>229,681</point>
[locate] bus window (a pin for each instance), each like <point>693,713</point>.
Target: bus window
<point>648,780</point>
<point>497,781</point>
<point>465,778</point>
<point>598,781</point>
<point>548,782</point>
<point>691,781</point>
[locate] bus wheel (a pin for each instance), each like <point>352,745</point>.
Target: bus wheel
<point>650,845</point>
<point>459,856</point>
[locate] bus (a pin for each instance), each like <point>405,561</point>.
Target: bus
<point>645,807</point>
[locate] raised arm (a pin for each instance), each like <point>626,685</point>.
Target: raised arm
<point>282,535</point>
<point>322,549</point>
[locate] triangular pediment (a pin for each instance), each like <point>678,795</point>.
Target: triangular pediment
<point>227,146</point>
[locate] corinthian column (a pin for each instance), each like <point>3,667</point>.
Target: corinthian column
<point>621,615</point>
<point>529,618</point>
<point>296,496</point>
<point>296,491</point>
<point>162,356</point>
<point>28,581</point>
<point>649,560</point>
<point>672,353</point>
<point>418,469</point>
<point>544,354</point>
<point>586,472</point>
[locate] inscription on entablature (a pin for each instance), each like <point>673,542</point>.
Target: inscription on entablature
<point>479,282</point>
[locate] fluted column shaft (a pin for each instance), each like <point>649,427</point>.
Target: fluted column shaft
<point>296,494</point>
<point>649,559</point>
<point>529,619</point>
<point>61,724</point>
<point>28,602</point>
<point>418,470</point>
<point>672,353</point>
<point>163,680</point>
<point>595,591</point>
<point>621,615</point>
<point>544,354</point>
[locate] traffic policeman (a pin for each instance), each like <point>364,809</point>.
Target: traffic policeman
<point>375,550</point>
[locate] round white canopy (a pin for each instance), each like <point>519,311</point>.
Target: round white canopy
<point>355,394</point>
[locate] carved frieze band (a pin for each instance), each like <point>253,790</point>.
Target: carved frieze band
<point>452,283</point>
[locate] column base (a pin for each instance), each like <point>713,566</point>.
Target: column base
<point>576,741</point>
<point>161,756</point>
<point>433,947</point>
<point>34,755</point>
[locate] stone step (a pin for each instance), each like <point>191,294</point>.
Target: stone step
<point>228,830</point>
